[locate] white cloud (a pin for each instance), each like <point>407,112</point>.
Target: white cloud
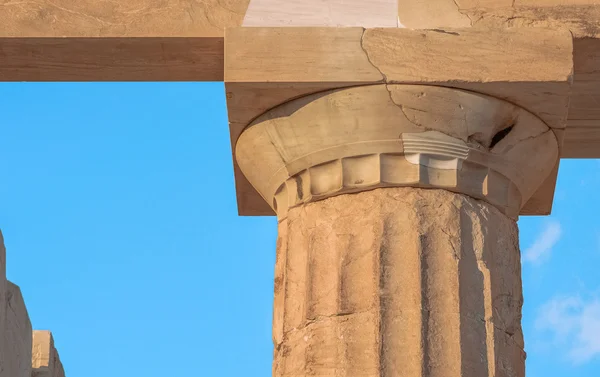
<point>543,245</point>
<point>574,323</point>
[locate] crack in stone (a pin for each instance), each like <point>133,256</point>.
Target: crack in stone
<point>463,13</point>
<point>320,318</point>
<point>189,13</point>
<point>386,82</point>
<point>457,5</point>
<point>450,239</point>
<point>444,31</point>
<point>525,139</point>
<point>71,11</point>
<point>362,46</point>
<point>401,107</point>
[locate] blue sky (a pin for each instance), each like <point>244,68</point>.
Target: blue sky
<point>117,205</point>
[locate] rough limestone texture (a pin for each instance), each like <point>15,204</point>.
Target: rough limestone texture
<point>45,360</point>
<point>400,282</point>
<point>497,63</point>
<point>17,335</point>
<point>23,352</point>
<point>15,327</point>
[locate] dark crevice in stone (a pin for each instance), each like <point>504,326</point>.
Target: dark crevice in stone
<point>501,135</point>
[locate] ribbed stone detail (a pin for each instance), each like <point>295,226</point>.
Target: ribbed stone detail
<point>358,173</point>
<point>398,282</point>
<point>362,138</point>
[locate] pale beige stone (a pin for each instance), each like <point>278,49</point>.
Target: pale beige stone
<point>366,137</point>
<point>485,4</point>
<point>430,14</point>
<point>529,67</point>
<point>516,67</point>
<point>554,3</point>
<point>131,18</point>
<point>134,41</point>
<point>45,360</point>
<point>124,40</point>
<point>501,63</point>
<point>398,282</point>
<point>336,13</point>
<point>541,202</point>
<point>582,18</point>
<point>297,66</point>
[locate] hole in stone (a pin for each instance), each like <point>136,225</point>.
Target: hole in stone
<point>501,135</point>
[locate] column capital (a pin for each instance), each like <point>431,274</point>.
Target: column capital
<point>529,67</point>
<point>389,135</point>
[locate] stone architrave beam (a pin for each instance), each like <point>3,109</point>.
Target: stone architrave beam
<point>182,40</point>
<point>133,40</point>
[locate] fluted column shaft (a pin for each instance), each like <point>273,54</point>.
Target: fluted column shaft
<point>398,245</point>
<point>398,282</point>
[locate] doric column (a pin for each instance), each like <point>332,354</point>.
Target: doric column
<point>398,248</point>
<point>398,282</point>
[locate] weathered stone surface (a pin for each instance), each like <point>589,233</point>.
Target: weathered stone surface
<point>335,13</point>
<point>129,40</point>
<point>581,17</point>
<point>504,70</point>
<point>517,65</point>
<point>429,14</point>
<point>15,326</point>
<point>356,139</point>
<point>132,18</point>
<point>398,282</point>
<point>45,359</point>
<point>17,335</point>
<point>23,352</point>
<point>530,66</point>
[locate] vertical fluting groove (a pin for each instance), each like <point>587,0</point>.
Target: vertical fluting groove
<point>309,286</point>
<point>381,277</point>
<point>323,349</point>
<point>279,295</point>
<point>489,241</point>
<point>399,282</point>
<point>400,298</point>
<point>423,267</point>
<point>440,289</point>
<point>294,357</point>
<point>357,299</point>
<point>473,328</point>
<point>344,245</point>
